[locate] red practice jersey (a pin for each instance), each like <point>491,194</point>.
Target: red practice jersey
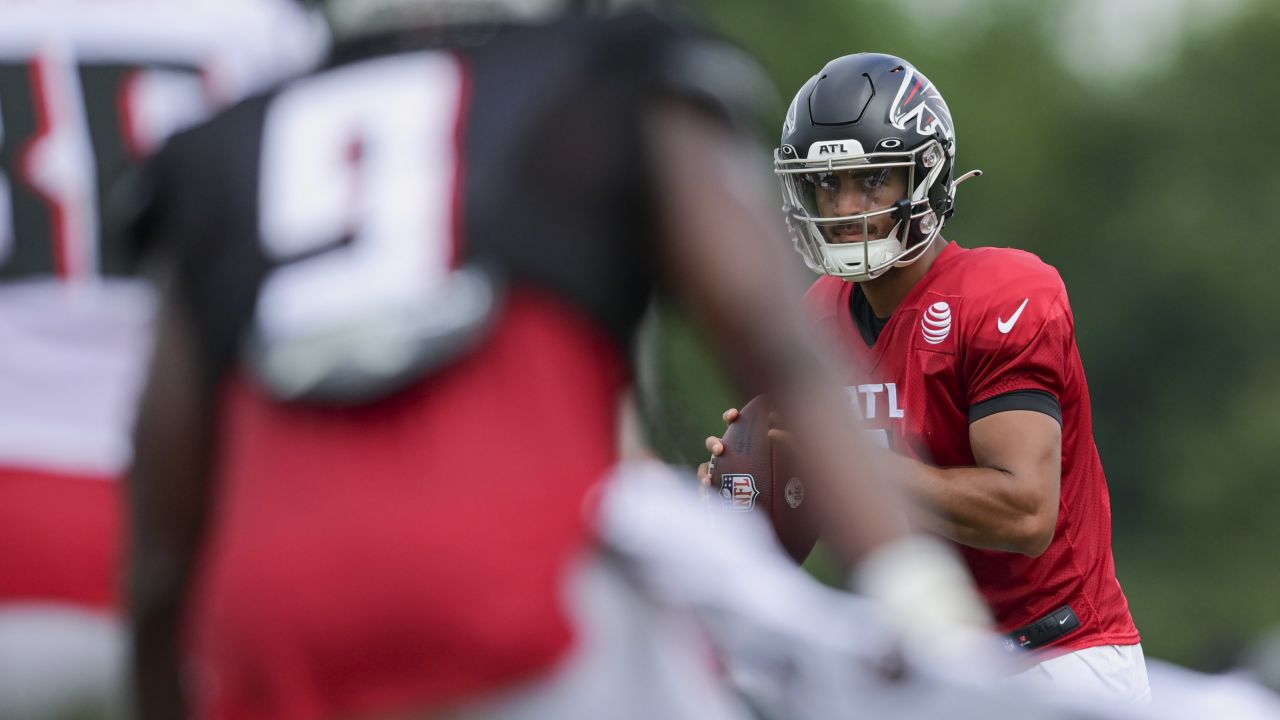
<point>983,323</point>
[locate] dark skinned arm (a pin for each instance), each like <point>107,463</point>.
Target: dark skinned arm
<point>168,497</point>
<point>1009,501</point>
<point>728,258</point>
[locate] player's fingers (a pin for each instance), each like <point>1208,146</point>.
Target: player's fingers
<point>714,445</point>
<point>704,474</point>
<point>775,419</point>
<point>730,415</point>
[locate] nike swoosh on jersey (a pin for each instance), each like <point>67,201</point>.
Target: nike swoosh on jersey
<point>1004,326</point>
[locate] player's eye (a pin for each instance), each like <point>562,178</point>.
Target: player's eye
<point>829,182</point>
<point>874,180</point>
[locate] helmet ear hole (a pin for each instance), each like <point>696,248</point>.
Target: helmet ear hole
<point>945,208</point>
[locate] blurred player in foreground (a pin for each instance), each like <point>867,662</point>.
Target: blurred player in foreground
<point>87,90</point>
<point>975,380</point>
<point>387,378</point>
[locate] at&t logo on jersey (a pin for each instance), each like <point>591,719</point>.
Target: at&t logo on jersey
<point>738,492</point>
<point>936,323</point>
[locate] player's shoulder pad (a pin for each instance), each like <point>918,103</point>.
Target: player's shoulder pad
<point>198,154</point>
<point>143,201</point>
<point>168,199</point>
<point>1011,298</point>
<point>693,64</point>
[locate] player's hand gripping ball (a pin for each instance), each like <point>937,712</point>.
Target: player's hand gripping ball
<point>755,475</point>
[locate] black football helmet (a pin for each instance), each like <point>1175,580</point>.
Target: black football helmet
<point>867,115</point>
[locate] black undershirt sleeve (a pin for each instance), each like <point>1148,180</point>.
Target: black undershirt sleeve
<point>1034,400</point>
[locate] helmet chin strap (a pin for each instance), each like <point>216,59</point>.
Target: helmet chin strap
<point>923,246</point>
<point>892,244</point>
<point>907,257</point>
<point>902,209</point>
<point>825,257</point>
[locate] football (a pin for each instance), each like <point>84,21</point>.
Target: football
<point>754,475</point>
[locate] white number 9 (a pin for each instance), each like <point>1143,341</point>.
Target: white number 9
<point>357,201</point>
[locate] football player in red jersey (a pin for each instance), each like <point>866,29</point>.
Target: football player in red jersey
<point>963,362</point>
<point>88,90</point>
<point>387,380</point>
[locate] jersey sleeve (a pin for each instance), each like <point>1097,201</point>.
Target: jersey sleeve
<point>1020,339</point>
<point>148,206</point>
<point>156,207</point>
<point>195,212</point>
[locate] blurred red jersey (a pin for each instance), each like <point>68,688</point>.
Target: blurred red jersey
<point>412,550</point>
<point>405,537</point>
<point>981,324</point>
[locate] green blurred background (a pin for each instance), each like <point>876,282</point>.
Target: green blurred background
<point>1132,144</point>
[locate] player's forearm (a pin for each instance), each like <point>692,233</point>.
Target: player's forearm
<point>160,565</point>
<point>155,614</point>
<point>168,502</point>
<point>725,257</point>
<point>981,507</point>
<point>861,510</point>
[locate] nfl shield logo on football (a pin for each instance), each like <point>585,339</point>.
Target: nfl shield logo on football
<point>738,492</point>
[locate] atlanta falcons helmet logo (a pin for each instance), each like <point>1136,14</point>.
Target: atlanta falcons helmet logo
<point>919,103</point>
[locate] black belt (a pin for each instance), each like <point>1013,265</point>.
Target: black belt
<point>1043,631</point>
